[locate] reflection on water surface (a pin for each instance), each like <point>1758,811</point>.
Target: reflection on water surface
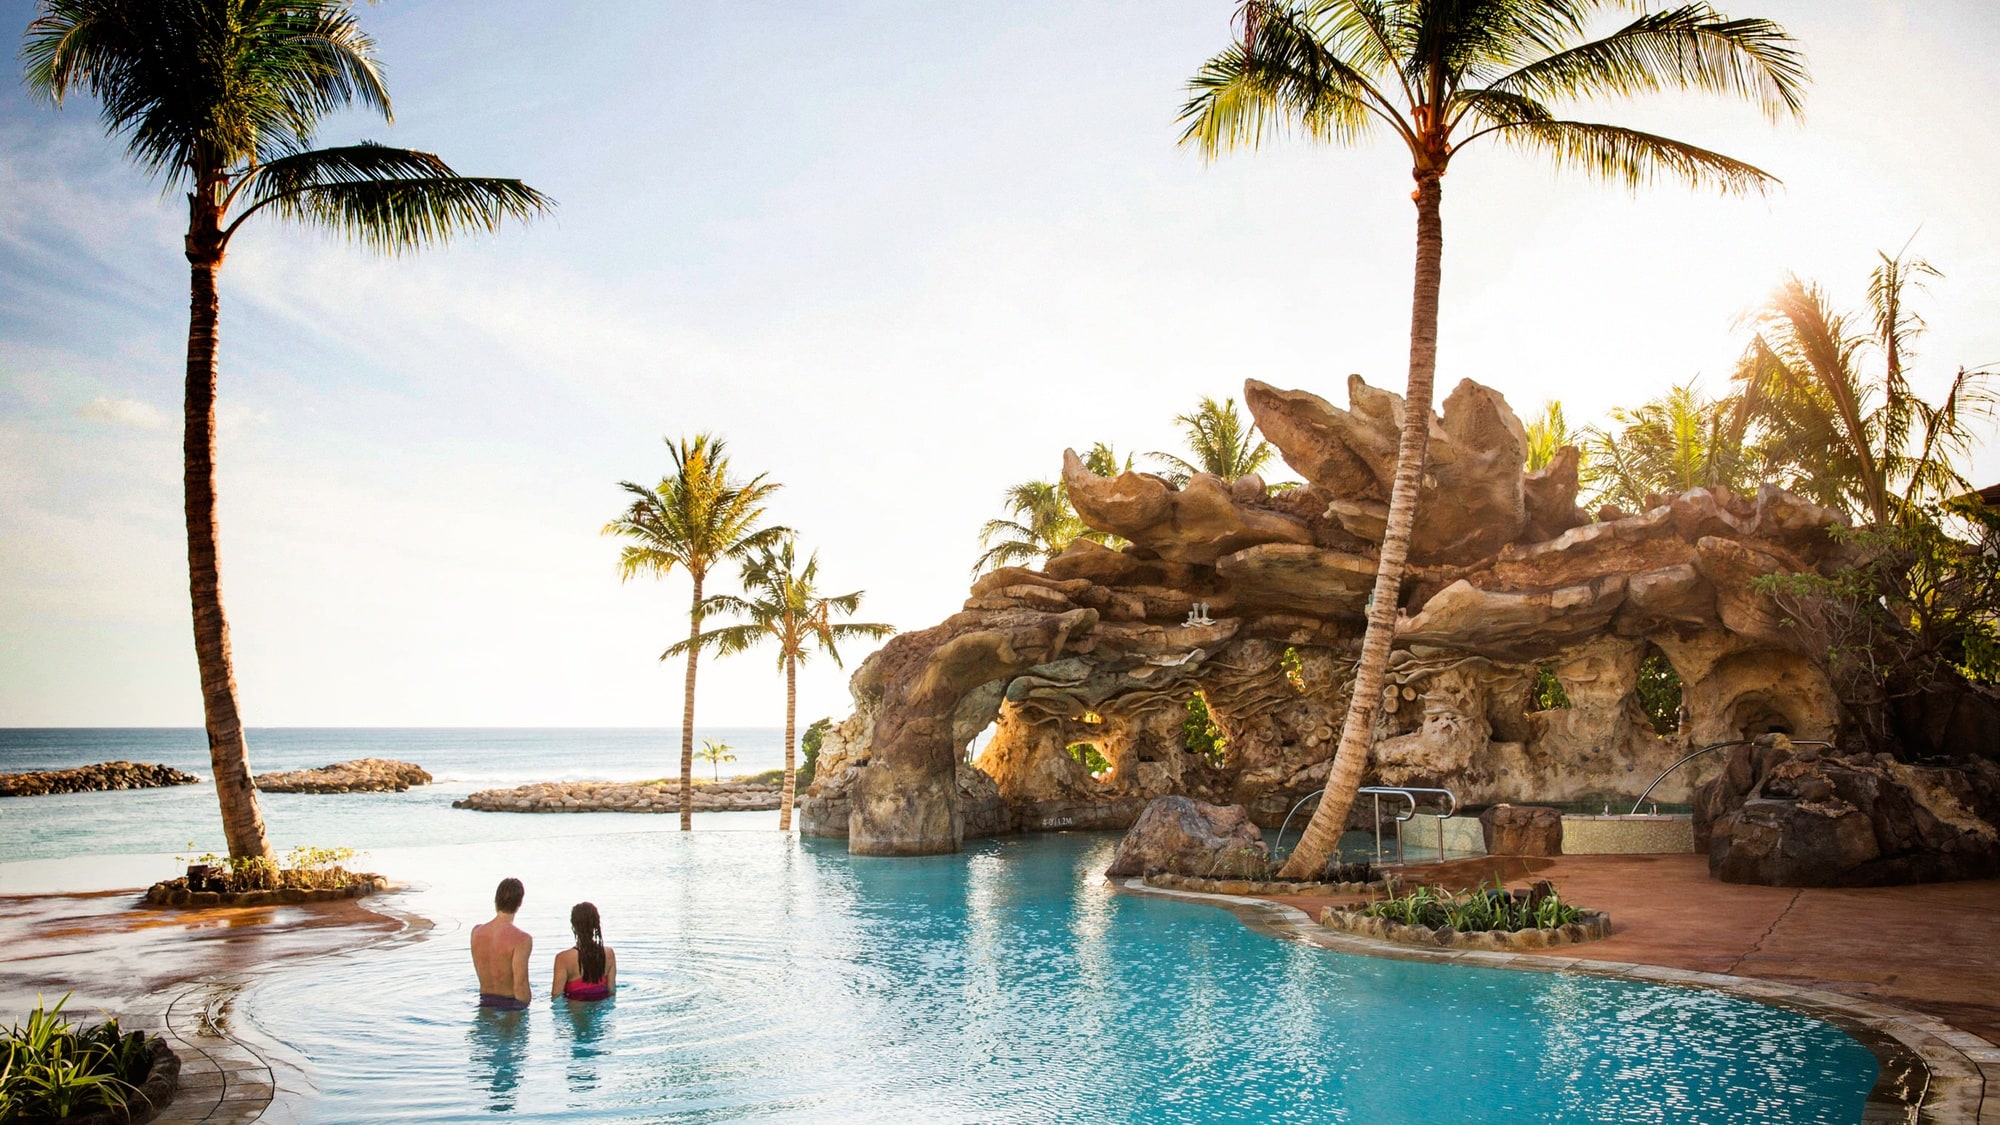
<point>765,979</point>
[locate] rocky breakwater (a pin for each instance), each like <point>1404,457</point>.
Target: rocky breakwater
<point>92,779</point>
<point>622,796</point>
<point>362,775</point>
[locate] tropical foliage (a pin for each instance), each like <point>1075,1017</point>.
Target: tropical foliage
<point>223,99</point>
<point>1220,442</point>
<point>1440,75</point>
<point>782,604</point>
<point>715,754</point>
<point>1831,394</point>
<point>1040,523</point>
<point>1200,733</point>
<point>809,744</point>
<point>1678,441</point>
<point>698,516</point>
<point>1547,434</point>
<point>1485,909</point>
<point>52,1068</point>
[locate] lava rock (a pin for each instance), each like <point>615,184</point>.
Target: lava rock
<point>362,775</point>
<point>93,779</point>
<point>1533,830</point>
<point>1182,836</point>
<point>1794,816</point>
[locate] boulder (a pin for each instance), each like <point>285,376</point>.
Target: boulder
<point>1533,830</point>
<point>1790,815</point>
<point>1181,836</point>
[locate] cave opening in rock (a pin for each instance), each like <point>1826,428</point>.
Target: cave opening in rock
<point>1659,692</point>
<point>1757,714</point>
<point>1087,755</point>
<point>1547,693</point>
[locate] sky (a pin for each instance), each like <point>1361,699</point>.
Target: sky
<point>899,253</point>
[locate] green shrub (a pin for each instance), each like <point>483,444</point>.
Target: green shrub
<point>1548,693</point>
<point>1488,908</point>
<point>809,744</point>
<point>302,869</point>
<point>1200,734</point>
<point>1089,757</point>
<point>51,1069</point>
<point>1659,693</point>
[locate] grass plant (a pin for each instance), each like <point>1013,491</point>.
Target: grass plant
<point>51,1068</point>
<point>1485,909</point>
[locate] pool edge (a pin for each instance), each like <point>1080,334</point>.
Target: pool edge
<point>1926,1076</point>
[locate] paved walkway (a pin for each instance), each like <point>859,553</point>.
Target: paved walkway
<point>1932,948</point>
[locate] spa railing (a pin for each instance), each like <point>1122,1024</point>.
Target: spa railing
<point>1409,812</point>
<point>1704,750</point>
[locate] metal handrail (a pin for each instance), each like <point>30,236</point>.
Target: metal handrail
<point>1378,792</point>
<point>1704,750</point>
<point>1280,841</point>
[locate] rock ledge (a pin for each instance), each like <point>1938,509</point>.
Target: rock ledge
<point>93,779</point>
<point>362,775</point>
<point>622,796</point>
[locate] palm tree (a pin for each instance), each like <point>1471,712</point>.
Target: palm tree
<point>1867,444</point>
<point>1548,433</point>
<point>696,517</point>
<point>1439,75</point>
<point>1223,442</point>
<point>1044,524</point>
<point>1676,442</point>
<point>715,753</point>
<point>782,603</point>
<point>224,98</point>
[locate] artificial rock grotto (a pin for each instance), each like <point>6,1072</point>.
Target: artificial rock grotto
<point>1254,600</point>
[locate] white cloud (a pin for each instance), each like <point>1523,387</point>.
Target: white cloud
<point>128,412</point>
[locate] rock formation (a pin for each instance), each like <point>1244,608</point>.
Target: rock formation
<point>622,796</point>
<point>1799,816</point>
<point>361,775</point>
<point>1253,601</point>
<point>1182,837</point>
<point>92,779</point>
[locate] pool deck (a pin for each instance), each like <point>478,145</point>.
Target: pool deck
<point>175,973</point>
<point>1928,948</point>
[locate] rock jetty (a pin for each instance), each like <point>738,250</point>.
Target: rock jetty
<point>91,779</point>
<point>622,796</point>
<point>362,775</point>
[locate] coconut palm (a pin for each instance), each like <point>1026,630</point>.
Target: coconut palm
<point>1044,524</point>
<point>1439,75</point>
<point>1865,443</point>
<point>782,603</point>
<point>695,518</point>
<point>224,98</point>
<point>1547,434</point>
<point>715,753</point>
<point>1676,442</point>
<point>1224,444</point>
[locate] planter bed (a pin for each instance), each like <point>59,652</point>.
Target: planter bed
<point>1595,925</point>
<point>1171,882</point>
<point>176,892</point>
<point>163,1081</point>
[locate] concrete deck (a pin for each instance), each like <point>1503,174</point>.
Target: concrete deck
<point>1929,948</point>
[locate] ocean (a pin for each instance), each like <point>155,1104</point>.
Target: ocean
<point>92,841</point>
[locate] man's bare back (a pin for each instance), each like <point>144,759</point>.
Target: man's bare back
<point>500,952</point>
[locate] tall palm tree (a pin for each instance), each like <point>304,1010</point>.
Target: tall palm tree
<point>1223,442</point>
<point>1439,75</point>
<point>1845,438</point>
<point>1678,441</point>
<point>696,517</point>
<point>782,603</point>
<point>1044,524</point>
<point>224,98</point>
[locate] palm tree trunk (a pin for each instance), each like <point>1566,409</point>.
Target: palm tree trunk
<point>687,712</point>
<point>1322,836</point>
<point>791,761</point>
<point>228,755</point>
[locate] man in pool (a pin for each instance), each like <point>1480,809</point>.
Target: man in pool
<point>500,952</point>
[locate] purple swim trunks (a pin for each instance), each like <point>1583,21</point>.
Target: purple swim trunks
<point>504,1003</point>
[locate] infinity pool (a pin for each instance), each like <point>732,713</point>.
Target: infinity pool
<point>768,979</point>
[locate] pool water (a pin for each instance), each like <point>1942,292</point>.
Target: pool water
<point>765,978</point>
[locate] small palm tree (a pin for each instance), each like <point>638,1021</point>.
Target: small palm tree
<point>1440,75</point>
<point>1044,524</point>
<point>715,753</point>
<point>1223,444</point>
<point>225,98</point>
<point>1676,442</point>
<point>1847,439</point>
<point>695,518</point>
<point>782,603</point>
<point>1547,434</point>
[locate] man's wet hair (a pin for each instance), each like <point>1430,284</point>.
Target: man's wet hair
<point>507,896</point>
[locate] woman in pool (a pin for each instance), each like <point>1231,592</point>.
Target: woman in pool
<point>588,971</point>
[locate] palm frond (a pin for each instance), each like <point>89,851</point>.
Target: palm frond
<point>387,198</point>
<point>1618,155</point>
<point>1281,77</point>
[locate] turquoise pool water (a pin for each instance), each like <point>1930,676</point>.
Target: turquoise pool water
<point>768,979</point>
